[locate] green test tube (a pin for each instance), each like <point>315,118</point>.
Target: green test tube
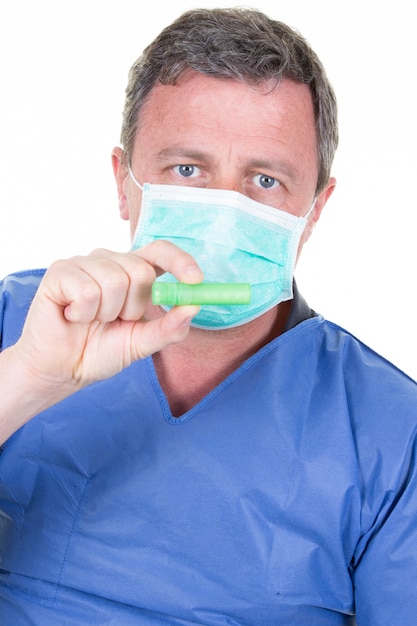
<point>173,294</point>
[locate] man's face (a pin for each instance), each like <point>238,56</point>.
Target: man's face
<point>207,132</point>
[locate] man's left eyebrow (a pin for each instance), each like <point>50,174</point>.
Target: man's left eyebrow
<point>274,165</point>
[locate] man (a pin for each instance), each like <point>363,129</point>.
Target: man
<point>243,464</point>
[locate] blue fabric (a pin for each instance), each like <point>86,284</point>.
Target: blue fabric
<point>284,497</point>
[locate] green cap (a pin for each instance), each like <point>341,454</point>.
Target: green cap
<point>173,294</point>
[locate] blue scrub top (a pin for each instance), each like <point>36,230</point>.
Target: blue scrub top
<point>286,496</point>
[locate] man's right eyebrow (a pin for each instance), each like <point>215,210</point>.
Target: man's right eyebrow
<point>182,151</point>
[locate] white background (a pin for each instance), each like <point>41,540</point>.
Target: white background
<point>63,70</point>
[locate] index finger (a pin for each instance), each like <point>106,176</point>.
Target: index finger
<point>165,256</point>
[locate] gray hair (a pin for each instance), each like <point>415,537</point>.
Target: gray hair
<point>235,43</point>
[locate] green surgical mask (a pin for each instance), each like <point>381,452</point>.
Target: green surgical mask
<point>232,238</point>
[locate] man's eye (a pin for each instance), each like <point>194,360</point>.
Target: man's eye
<point>266,182</point>
<point>187,170</point>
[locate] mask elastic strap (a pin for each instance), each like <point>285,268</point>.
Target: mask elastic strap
<point>132,176</point>
<point>311,209</point>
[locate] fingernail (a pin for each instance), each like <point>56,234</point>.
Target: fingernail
<point>192,270</point>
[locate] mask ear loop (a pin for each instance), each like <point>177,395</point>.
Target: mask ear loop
<point>132,176</point>
<point>311,209</point>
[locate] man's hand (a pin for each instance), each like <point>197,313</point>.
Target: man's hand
<point>87,321</point>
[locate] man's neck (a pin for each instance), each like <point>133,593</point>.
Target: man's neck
<point>188,371</point>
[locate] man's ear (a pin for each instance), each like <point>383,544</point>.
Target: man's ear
<point>318,207</point>
<point>121,174</point>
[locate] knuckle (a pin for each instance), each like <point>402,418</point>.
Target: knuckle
<point>142,272</point>
<point>99,252</point>
<point>57,267</point>
<point>116,280</point>
<point>89,292</point>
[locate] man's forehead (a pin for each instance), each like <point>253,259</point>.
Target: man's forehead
<point>182,117</point>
